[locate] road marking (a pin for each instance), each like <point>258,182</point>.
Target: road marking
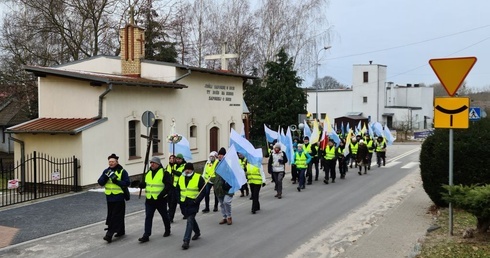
<point>392,164</point>
<point>411,164</point>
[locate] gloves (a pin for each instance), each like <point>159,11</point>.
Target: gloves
<point>110,174</point>
<point>142,185</point>
<point>263,184</point>
<point>115,181</point>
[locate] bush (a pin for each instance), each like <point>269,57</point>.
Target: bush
<point>471,152</point>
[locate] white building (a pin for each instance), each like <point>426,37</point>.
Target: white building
<point>92,108</point>
<point>371,96</point>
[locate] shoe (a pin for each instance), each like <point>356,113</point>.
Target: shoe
<point>250,198</point>
<point>303,187</point>
<point>379,165</point>
<point>253,212</point>
<point>309,183</point>
<point>144,239</point>
<point>215,209</point>
<point>279,196</point>
<point>171,221</point>
<point>185,217</point>
<point>342,177</point>
<point>350,166</point>
<point>223,221</point>
<point>299,189</point>
<point>108,238</point>
<point>316,178</point>
<point>196,236</point>
<point>241,195</point>
<point>166,234</point>
<point>229,221</point>
<point>185,246</point>
<point>333,180</point>
<point>369,167</point>
<point>359,173</point>
<point>294,182</point>
<point>325,181</point>
<point>205,210</point>
<point>384,164</point>
<point>365,172</point>
<point>247,193</point>
<point>119,234</point>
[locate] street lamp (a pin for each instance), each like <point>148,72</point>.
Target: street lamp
<point>316,78</point>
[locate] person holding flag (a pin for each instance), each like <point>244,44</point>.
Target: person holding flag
<point>341,158</point>
<point>209,175</point>
<point>277,167</point>
<point>191,187</point>
<point>176,173</point>
<point>381,151</point>
<point>255,182</point>
<point>312,151</point>
<point>330,161</point>
<point>301,160</point>
<point>370,145</point>
<point>224,192</point>
<point>243,164</point>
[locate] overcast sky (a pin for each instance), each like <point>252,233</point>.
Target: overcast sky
<point>410,33</point>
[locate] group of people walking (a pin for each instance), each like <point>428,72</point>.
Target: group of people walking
<point>178,182</point>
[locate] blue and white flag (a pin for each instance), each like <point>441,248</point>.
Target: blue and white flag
<point>243,131</point>
<point>335,137</point>
<point>230,170</point>
<point>378,129</point>
<point>271,135</point>
<point>246,148</point>
<point>388,136</point>
<point>182,147</point>
<point>289,145</point>
<point>306,130</point>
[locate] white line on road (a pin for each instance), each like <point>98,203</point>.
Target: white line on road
<point>411,165</point>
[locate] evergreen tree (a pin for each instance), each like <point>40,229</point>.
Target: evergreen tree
<point>278,99</point>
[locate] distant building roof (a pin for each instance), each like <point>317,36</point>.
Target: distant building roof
<point>12,112</point>
<point>56,125</point>
<point>101,78</point>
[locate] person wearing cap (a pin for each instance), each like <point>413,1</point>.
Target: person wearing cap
<point>330,161</point>
<point>174,194</point>
<point>277,165</point>
<point>312,150</point>
<point>243,164</point>
<point>342,159</point>
<point>301,160</point>
<point>209,176</point>
<point>255,180</point>
<point>353,146</point>
<point>381,150</point>
<point>370,145</point>
<point>222,191</point>
<point>157,185</point>
<point>362,157</point>
<point>114,179</point>
<point>190,186</point>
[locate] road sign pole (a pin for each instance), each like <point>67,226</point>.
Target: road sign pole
<point>450,180</point>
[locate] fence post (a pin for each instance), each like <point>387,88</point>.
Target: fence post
<point>35,174</point>
<point>75,174</point>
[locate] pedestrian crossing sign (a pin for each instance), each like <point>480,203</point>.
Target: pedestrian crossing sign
<point>475,113</point>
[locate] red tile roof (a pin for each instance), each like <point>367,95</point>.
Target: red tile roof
<point>55,125</point>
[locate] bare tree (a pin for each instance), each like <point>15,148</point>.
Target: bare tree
<point>328,82</point>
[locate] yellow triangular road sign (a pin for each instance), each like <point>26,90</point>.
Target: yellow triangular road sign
<point>452,71</point>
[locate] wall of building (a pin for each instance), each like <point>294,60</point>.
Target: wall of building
<point>99,64</point>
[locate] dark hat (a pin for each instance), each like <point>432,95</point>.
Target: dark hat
<point>222,151</point>
<point>113,156</point>
<point>331,140</point>
<point>180,156</point>
<point>306,138</point>
<point>189,166</point>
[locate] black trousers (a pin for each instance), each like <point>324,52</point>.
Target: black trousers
<point>150,207</point>
<point>255,189</point>
<point>115,217</point>
<point>342,166</point>
<point>173,199</point>
<point>294,173</point>
<point>207,192</point>
<point>330,169</point>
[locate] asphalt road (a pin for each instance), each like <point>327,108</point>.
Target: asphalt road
<point>278,229</point>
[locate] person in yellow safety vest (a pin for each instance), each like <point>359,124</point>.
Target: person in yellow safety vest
<point>209,175</point>
<point>312,151</point>
<point>243,164</point>
<point>168,169</point>
<point>301,160</point>
<point>342,159</point>
<point>381,150</point>
<point>157,185</point>
<point>255,181</point>
<point>370,145</point>
<point>174,194</point>
<point>190,186</point>
<point>330,161</point>
<point>114,179</point>
<point>353,151</point>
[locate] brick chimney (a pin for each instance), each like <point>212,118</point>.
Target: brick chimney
<point>132,49</point>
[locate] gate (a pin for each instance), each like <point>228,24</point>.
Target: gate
<point>37,176</point>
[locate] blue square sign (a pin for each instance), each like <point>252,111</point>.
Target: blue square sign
<point>475,113</point>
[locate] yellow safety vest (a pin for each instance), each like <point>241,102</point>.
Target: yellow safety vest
<point>180,168</point>
<point>243,162</point>
<point>329,152</point>
<point>210,171</point>
<point>154,185</point>
<point>300,160</point>
<point>111,188</point>
<point>379,146</point>
<point>307,148</point>
<point>191,190</point>
<point>369,144</point>
<point>354,147</point>
<point>253,174</point>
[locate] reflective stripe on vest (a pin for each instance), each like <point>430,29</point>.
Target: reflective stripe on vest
<point>300,160</point>
<point>210,170</point>
<point>180,169</point>
<point>330,153</point>
<point>253,174</point>
<point>354,147</point>
<point>192,189</point>
<point>111,188</point>
<point>369,144</point>
<point>154,186</point>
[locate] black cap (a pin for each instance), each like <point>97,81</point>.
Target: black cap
<point>113,156</point>
<point>189,166</point>
<point>222,151</point>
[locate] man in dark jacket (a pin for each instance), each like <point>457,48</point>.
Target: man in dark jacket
<point>362,157</point>
<point>157,185</point>
<point>115,180</point>
<point>191,187</point>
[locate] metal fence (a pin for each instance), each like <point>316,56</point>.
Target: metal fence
<point>37,176</point>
